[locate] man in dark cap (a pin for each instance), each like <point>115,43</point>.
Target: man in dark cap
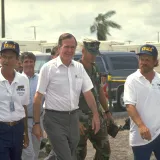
<point>14,98</point>
<point>100,140</point>
<point>141,97</point>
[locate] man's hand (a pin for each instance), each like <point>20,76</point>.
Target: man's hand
<point>108,117</point>
<point>25,140</point>
<point>144,132</point>
<point>95,122</point>
<point>37,131</point>
<point>82,128</point>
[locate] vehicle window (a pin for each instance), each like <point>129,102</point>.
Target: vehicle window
<point>77,57</point>
<point>48,50</point>
<point>100,64</point>
<point>124,62</point>
<point>40,60</point>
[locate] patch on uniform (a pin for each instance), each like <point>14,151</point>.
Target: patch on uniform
<point>20,90</point>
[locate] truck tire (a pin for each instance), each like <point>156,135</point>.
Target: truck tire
<point>120,102</point>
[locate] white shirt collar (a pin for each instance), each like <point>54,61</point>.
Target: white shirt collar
<point>28,76</point>
<point>139,74</point>
<point>59,62</point>
<point>16,79</point>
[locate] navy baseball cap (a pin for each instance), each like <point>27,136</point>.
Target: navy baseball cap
<point>92,46</point>
<point>149,50</point>
<point>10,45</point>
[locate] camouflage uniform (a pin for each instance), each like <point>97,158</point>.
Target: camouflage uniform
<point>100,140</point>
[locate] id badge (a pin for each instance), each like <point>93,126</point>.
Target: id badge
<point>12,108</point>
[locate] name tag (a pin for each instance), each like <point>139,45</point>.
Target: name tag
<point>20,90</point>
<point>156,86</point>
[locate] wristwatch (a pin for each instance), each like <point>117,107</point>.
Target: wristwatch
<point>34,123</point>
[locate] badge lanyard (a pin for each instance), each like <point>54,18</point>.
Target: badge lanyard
<point>11,103</point>
<point>12,107</point>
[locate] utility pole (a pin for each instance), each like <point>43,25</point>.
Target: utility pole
<point>129,41</point>
<point>158,37</point>
<point>34,27</point>
<point>3,18</point>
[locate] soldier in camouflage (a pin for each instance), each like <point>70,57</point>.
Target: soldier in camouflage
<point>100,140</point>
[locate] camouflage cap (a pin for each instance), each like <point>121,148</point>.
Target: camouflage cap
<point>92,46</point>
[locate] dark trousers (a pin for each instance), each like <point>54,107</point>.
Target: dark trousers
<point>11,141</point>
<point>63,132</point>
<point>144,152</point>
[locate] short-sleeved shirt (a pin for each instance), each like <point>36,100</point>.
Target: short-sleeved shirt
<point>63,84</point>
<point>145,96</point>
<point>33,86</point>
<point>17,92</point>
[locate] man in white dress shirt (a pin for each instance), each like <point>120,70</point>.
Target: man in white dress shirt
<point>63,79</point>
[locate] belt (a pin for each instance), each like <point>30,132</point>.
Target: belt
<point>11,123</point>
<point>63,112</point>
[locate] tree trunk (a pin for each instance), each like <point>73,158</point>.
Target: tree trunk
<point>101,36</point>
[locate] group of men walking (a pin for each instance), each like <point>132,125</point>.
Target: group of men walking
<point>62,81</point>
<point>75,107</point>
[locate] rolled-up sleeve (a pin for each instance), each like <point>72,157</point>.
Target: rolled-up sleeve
<point>86,83</point>
<point>43,79</point>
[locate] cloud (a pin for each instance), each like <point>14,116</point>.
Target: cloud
<point>139,19</point>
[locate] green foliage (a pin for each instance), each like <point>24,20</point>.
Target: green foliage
<point>102,24</point>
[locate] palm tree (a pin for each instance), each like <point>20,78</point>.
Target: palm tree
<point>102,25</point>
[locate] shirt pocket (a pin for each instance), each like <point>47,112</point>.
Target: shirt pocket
<point>78,84</point>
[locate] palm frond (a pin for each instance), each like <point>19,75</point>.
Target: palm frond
<point>99,18</point>
<point>102,25</point>
<point>109,14</point>
<point>93,28</point>
<point>112,24</point>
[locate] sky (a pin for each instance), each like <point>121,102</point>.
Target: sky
<point>139,19</point>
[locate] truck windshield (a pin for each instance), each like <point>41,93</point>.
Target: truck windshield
<point>123,62</point>
<point>100,64</point>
